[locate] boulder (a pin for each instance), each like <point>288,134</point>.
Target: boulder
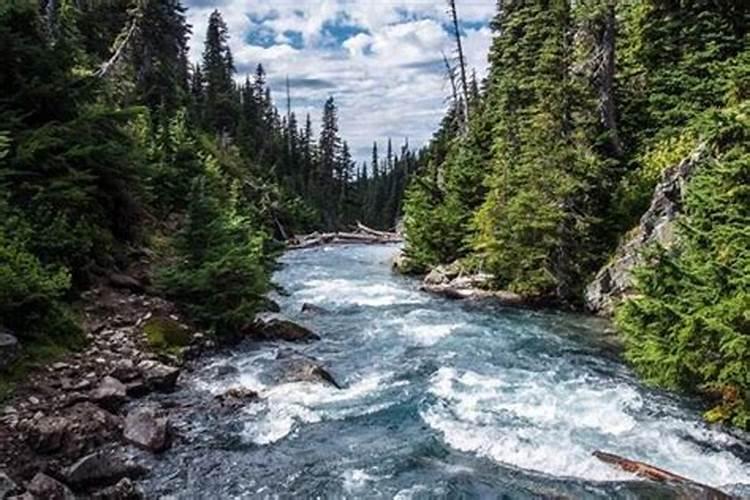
<point>158,376</point>
<point>280,329</point>
<point>125,489</point>
<point>148,429</point>
<point>110,394</point>
<point>47,434</point>
<point>237,397</point>
<point>313,309</point>
<point>102,469</point>
<point>7,486</point>
<point>78,429</point>
<point>305,370</point>
<point>43,486</point>
<point>9,348</point>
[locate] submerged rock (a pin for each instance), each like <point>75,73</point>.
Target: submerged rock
<point>280,329</point>
<point>147,428</point>
<point>43,486</point>
<point>614,282</point>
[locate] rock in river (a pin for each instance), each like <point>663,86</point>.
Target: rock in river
<point>157,376</point>
<point>276,328</point>
<point>306,370</point>
<point>147,428</point>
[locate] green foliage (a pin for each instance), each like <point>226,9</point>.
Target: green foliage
<point>221,269</point>
<point>31,293</point>
<point>689,326</point>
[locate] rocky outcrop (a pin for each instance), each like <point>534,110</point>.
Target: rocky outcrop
<point>614,282</point>
<point>451,283</point>
<point>148,429</point>
<point>9,349</point>
<point>276,328</point>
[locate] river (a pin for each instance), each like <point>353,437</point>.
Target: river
<point>441,399</point>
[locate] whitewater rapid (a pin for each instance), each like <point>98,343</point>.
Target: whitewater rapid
<point>440,399</point>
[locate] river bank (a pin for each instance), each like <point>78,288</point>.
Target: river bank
<point>426,397</point>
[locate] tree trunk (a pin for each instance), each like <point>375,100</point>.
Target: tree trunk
<point>606,77</point>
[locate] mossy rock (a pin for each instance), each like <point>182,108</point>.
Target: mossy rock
<point>164,333</point>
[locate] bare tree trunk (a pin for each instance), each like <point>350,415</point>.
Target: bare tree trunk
<point>461,60</point>
<point>606,77</point>
<point>452,78</point>
<point>104,69</point>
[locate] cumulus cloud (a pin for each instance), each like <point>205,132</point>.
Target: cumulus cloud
<point>381,60</point>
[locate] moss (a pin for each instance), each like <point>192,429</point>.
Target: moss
<point>166,334</point>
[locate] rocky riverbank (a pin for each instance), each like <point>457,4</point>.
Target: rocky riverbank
<point>66,430</point>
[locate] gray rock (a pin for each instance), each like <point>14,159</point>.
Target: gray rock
<point>306,370</point>
<point>158,376</point>
<point>313,309</point>
<point>269,305</point>
<point>43,486</point>
<point>47,434</point>
<point>238,397</point>
<point>147,429</point>
<point>102,469</point>
<point>125,489</point>
<point>9,348</point>
<point>110,394</point>
<point>281,329</point>
<point>7,485</point>
<point>614,282</point>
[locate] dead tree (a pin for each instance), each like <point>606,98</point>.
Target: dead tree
<point>461,60</point>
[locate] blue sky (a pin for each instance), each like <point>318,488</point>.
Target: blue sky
<point>380,59</point>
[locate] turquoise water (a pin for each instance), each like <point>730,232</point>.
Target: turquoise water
<point>441,400</point>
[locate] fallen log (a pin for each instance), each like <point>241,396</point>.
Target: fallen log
<point>365,237</point>
<point>381,234</point>
<point>653,473</point>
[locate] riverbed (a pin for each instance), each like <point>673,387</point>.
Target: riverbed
<point>440,399</point>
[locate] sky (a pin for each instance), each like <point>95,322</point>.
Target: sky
<point>381,60</point>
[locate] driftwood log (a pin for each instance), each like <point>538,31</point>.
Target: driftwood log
<point>363,235</point>
<point>653,473</point>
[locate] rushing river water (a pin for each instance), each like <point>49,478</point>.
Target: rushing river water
<point>441,400</point>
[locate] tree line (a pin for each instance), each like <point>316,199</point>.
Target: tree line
<point>113,144</point>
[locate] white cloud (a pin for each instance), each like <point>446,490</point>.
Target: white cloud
<point>380,59</point>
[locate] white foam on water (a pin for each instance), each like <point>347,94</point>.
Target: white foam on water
<point>285,406</point>
<point>360,293</point>
<point>357,479</point>
<point>536,422</point>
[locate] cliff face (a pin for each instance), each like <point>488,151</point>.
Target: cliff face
<point>614,282</point>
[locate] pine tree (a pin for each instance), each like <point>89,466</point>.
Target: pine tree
<point>218,71</point>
